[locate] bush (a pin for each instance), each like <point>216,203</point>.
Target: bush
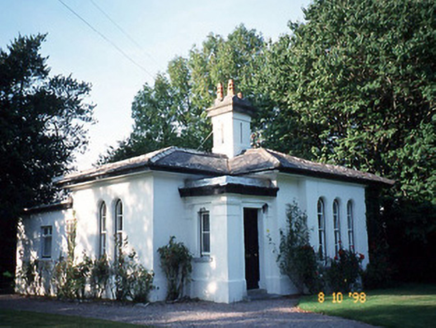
<point>378,273</point>
<point>132,280</point>
<point>175,261</point>
<point>27,274</point>
<point>296,258</point>
<point>344,272</point>
<point>70,279</point>
<point>141,284</point>
<point>101,272</point>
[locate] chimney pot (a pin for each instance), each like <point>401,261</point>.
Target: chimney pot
<point>220,91</point>
<point>231,88</point>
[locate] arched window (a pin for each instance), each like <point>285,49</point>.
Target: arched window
<point>119,223</point>
<point>102,229</point>
<point>322,249</point>
<point>337,226</point>
<point>350,221</point>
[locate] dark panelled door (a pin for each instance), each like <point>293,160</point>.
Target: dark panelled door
<point>251,243</point>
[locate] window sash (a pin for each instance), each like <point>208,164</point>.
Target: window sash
<point>204,233</point>
<point>350,221</point>
<point>336,227</point>
<point>102,223</point>
<point>46,244</point>
<point>119,216</point>
<point>322,250</point>
<point>119,226</point>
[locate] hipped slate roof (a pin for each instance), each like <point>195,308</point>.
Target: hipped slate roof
<point>253,160</point>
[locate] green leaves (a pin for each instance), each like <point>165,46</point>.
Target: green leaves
<point>42,123</point>
<point>175,261</point>
<point>360,76</point>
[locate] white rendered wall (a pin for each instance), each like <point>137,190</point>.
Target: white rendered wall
<point>170,219</point>
<point>29,245</point>
<point>305,192</point>
<point>288,192</point>
<point>136,194</point>
<point>231,133</point>
<point>154,211</point>
<point>343,192</point>
<point>221,277</point>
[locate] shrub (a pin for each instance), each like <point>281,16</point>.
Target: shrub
<point>27,274</point>
<point>344,272</point>
<point>378,273</point>
<point>296,257</point>
<point>175,261</point>
<point>141,284</point>
<point>70,279</point>
<point>101,272</point>
<point>132,280</point>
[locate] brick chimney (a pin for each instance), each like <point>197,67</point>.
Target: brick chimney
<point>231,118</point>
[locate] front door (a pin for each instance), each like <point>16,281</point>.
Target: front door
<point>251,242</point>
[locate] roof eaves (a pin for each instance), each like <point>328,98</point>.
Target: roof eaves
<point>341,177</point>
<point>62,205</point>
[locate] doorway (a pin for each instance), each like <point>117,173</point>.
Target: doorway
<point>251,243</point>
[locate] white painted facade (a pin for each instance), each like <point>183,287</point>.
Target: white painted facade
<point>154,209</point>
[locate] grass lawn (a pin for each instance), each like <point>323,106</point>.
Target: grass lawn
<point>411,305</point>
<point>12,318</point>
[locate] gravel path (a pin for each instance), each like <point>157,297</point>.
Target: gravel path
<point>281,312</point>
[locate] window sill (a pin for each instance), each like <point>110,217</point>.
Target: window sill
<point>203,259</point>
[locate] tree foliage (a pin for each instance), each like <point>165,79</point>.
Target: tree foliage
<point>42,124</point>
<point>360,75</point>
<point>360,78</point>
<point>172,111</point>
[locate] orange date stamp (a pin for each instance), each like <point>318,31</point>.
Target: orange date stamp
<point>339,297</point>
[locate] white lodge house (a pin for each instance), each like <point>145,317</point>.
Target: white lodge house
<point>224,206</point>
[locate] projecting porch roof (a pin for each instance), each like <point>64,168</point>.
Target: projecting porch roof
<point>228,184</point>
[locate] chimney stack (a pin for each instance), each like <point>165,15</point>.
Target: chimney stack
<point>231,119</point>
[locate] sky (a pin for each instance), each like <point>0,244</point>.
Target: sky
<point>119,45</point>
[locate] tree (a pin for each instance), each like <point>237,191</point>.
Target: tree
<point>360,77</point>
<point>172,111</point>
<point>42,124</point>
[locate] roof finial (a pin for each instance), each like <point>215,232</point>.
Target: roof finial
<point>220,91</point>
<point>231,88</point>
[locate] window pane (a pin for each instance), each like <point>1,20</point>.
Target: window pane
<point>206,222</point>
<point>119,223</point>
<point>102,244</point>
<point>119,208</point>
<point>206,243</point>
<point>46,241</point>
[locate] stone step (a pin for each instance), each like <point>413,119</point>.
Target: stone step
<point>260,294</point>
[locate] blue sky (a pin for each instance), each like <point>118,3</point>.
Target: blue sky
<point>161,30</point>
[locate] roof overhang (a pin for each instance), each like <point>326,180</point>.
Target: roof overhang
<point>58,206</point>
